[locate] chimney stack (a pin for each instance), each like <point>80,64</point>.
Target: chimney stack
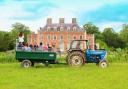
<point>74,20</point>
<point>61,20</point>
<point>49,21</point>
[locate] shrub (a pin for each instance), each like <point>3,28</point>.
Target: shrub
<point>7,57</point>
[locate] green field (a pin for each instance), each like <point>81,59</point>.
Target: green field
<point>90,76</point>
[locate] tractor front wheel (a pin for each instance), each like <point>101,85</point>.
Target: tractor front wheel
<point>103,64</point>
<point>76,59</point>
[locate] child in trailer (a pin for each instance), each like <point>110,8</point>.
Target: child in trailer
<point>20,43</point>
<point>21,37</point>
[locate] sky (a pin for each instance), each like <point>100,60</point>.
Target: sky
<point>34,13</point>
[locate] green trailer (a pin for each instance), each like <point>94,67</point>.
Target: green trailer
<point>28,59</point>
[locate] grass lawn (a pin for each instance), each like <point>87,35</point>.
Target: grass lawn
<point>12,76</point>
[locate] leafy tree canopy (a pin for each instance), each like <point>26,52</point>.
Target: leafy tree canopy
<point>90,28</point>
<point>7,39</point>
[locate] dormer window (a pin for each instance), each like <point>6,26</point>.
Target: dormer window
<point>68,28</point>
<point>52,29</point>
<point>74,28</point>
<point>58,29</point>
<point>48,28</point>
<point>61,28</point>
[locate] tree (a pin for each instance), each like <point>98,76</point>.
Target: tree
<point>102,44</point>
<point>112,38</point>
<point>4,40</point>
<point>1,40</point>
<point>16,29</point>
<point>19,27</point>
<point>124,34</point>
<point>92,29</point>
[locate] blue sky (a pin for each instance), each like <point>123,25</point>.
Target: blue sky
<point>33,13</point>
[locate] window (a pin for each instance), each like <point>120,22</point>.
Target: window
<point>74,37</point>
<point>54,37</point>
<point>74,44</point>
<point>48,37</point>
<point>61,37</point>
<point>78,45</point>
<point>81,37</point>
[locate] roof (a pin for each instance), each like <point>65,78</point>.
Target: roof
<point>65,26</point>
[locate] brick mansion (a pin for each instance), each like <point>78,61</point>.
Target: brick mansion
<point>60,34</point>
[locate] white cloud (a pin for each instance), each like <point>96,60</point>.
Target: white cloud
<point>117,26</point>
<point>66,9</point>
<point>8,11</point>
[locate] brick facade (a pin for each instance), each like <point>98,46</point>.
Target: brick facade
<point>60,34</point>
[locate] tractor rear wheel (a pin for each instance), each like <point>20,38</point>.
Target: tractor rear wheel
<point>76,59</point>
<point>26,63</point>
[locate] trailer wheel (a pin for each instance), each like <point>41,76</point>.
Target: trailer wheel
<point>26,63</point>
<point>103,64</point>
<point>76,59</point>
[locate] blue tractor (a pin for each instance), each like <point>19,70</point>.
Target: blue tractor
<point>78,55</point>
